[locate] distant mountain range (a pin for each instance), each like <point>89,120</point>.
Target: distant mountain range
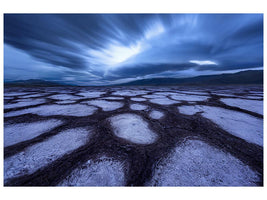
<point>244,77</point>
<point>33,82</point>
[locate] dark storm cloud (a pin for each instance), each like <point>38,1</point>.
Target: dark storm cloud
<point>61,39</point>
<point>145,69</point>
<point>251,31</point>
<point>117,46</point>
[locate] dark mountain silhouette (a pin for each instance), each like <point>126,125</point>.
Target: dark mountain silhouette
<point>33,82</point>
<point>244,77</point>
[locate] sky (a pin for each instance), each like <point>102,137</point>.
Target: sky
<point>103,49</point>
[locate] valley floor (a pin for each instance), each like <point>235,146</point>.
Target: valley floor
<point>133,136</point>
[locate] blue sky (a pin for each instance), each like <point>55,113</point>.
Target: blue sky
<point>100,49</point>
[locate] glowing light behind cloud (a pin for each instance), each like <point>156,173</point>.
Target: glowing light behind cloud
<point>116,53</point>
<point>113,54</point>
<point>105,48</point>
<point>203,62</point>
<point>154,30</point>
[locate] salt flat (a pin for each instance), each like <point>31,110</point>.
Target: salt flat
<point>251,105</point>
<point>104,172</point>
<point>154,96</point>
<point>64,97</point>
<point>105,105</point>
<point>65,102</point>
<point>113,98</point>
<point>163,101</point>
<point>132,128</point>
<point>138,99</point>
<point>34,95</point>
<point>47,110</point>
<point>23,103</point>
<point>91,94</point>
<point>196,163</point>
<point>239,124</point>
<point>154,114</point>
<point>15,133</point>
<point>189,97</point>
<point>41,154</point>
<point>8,94</point>
<point>138,106</point>
<point>133,136</point>
<point>129,92</point>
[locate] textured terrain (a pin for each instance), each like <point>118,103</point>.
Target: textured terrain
<point>133,136</point>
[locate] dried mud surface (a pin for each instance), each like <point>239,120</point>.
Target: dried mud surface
<point>139,160</point>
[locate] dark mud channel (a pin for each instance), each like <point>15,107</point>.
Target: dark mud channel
<point>140,160</point>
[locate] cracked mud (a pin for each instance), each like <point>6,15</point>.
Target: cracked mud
<point>140,136</point>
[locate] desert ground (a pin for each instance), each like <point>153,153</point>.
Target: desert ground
<point>133,136</point>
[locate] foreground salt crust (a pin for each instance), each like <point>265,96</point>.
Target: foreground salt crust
<point>15,93</point>
<point>61,90</point>
<point>194,92</point>
<point>163,101</point>
<point>189,110</point>
<point>91,94</point>
<point>34,95</point>
<point>251,105</point>
<point>65,102</point>
<point>47,110</point>
<point>129,92</point>
<point>224,94</point>
<point>25,102</point>
<point>41,154</point>
<point>165,93</point>
<point>196,163</point>
<point>133,128</point>
<point>189,97</point>
<point>253,97</point>
<point>138,106</point>
<point>238,124</point>
<point>154,96</point>
<point>255,94</point>
<point>138,99</point>
<point>64,97</point>
<point>8,98</point>
<point>102,172</point>
<point>113,98</point>
<point>106,105</point>
<point>154,114</point>
<point>15,133</point>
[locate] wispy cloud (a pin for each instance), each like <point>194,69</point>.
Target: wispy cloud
<point>203,62</point>
<point>95,48</point>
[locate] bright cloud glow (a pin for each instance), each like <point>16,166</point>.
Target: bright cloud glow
<point>114,54</point>
<point>203,62</point>
<point>102,49</point>
<point>155,30</point>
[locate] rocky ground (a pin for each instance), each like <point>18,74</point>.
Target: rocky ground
<point>133,136</point>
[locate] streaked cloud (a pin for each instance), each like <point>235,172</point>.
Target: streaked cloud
<point>106,48</point>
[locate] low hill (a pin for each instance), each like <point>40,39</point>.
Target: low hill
<point>244,77</point>
<point>33,82</point>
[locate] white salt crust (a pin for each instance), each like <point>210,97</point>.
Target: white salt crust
<point>133,128</point>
